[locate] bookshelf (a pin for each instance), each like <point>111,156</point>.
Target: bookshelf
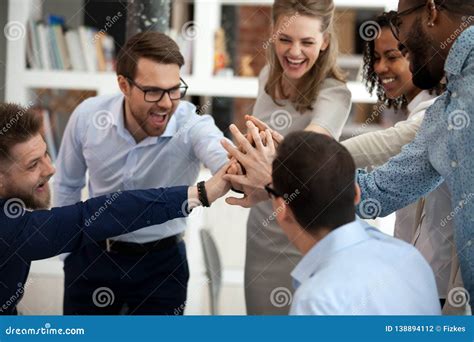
<point>207,16</point>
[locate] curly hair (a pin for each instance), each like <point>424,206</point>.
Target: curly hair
<point>372,81</point>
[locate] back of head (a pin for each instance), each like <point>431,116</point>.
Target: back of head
<point>322,172</point>
<point>17,125</point>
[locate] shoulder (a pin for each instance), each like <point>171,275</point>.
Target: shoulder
<point>97,103</point>
<point>332,85</point>
<point>264,74</point>
<point>188,119</point>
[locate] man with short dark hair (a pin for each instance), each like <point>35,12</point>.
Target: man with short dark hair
<point>144,137</point>
<point>348,267</point>
<point>25,170</point>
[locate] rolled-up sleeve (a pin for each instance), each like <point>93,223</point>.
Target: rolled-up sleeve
<point>399,182</point>
<point>376,148</point>
<point>205,137</point>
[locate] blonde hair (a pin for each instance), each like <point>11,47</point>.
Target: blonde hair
<point>324,67</point>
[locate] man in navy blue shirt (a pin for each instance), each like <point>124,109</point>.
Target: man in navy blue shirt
<point>25,170</point>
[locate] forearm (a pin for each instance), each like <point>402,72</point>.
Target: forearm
<point>45,233</point>
<point>376,148</point>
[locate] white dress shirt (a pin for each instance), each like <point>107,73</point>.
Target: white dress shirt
<point>358,270</point>
<point>107,150</point>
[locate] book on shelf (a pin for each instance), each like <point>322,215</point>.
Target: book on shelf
<point>53,47</point>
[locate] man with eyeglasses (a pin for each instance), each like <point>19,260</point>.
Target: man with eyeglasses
<point>144,137</point>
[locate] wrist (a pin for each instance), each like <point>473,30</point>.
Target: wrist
<point>202,194</point>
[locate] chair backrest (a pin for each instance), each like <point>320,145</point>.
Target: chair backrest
<point>213,268</point>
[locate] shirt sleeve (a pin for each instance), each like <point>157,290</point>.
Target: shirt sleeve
<point>460,116</point>
<point>45,233</point>
<point>71,166</point>
<point>205,137</point>
<point>399,182</point>
<point>332,107</point>
<point>376,148</point>
<point>313,307</point>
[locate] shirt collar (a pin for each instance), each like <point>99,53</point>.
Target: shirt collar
<point>459,52</point>
<point>118,121</point>
<point>421,98</point>
<point>337,240</point>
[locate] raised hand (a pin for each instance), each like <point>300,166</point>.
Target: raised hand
<point>277,137</point>
<point>256,162</point>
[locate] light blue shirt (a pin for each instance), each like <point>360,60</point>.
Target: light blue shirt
<point>96,140</point>
<point>442,149</point>
<point>358,270</point>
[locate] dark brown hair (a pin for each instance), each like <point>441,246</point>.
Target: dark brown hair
<point>322,174</point>
<point>152,45</point>
<point>372,81</point>
<point>17,125</point>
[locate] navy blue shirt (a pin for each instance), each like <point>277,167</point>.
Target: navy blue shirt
<point>32,235</point>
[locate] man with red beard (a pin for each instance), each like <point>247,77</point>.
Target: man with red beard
<point>143,137</point>
<point>25,170</point>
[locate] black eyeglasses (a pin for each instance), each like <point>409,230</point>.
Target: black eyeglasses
<point>272,192</point>
<point>155,94</point>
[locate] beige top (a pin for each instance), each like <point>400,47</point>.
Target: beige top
<point>330,110</point>
<point>270,257</point>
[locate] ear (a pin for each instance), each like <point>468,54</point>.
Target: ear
<point>326,41</point>
<point>283,211</point>
<point>357,194</point>
<point>123,85</point>
<point>433,13</point>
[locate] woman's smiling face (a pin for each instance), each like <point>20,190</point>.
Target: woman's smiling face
<point>392,67</point>
<point>299,42</point>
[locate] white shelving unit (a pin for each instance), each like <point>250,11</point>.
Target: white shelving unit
<point>19,79</point>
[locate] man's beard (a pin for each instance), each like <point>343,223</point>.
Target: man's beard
<point>29,199</point>
<point>428,70</point>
